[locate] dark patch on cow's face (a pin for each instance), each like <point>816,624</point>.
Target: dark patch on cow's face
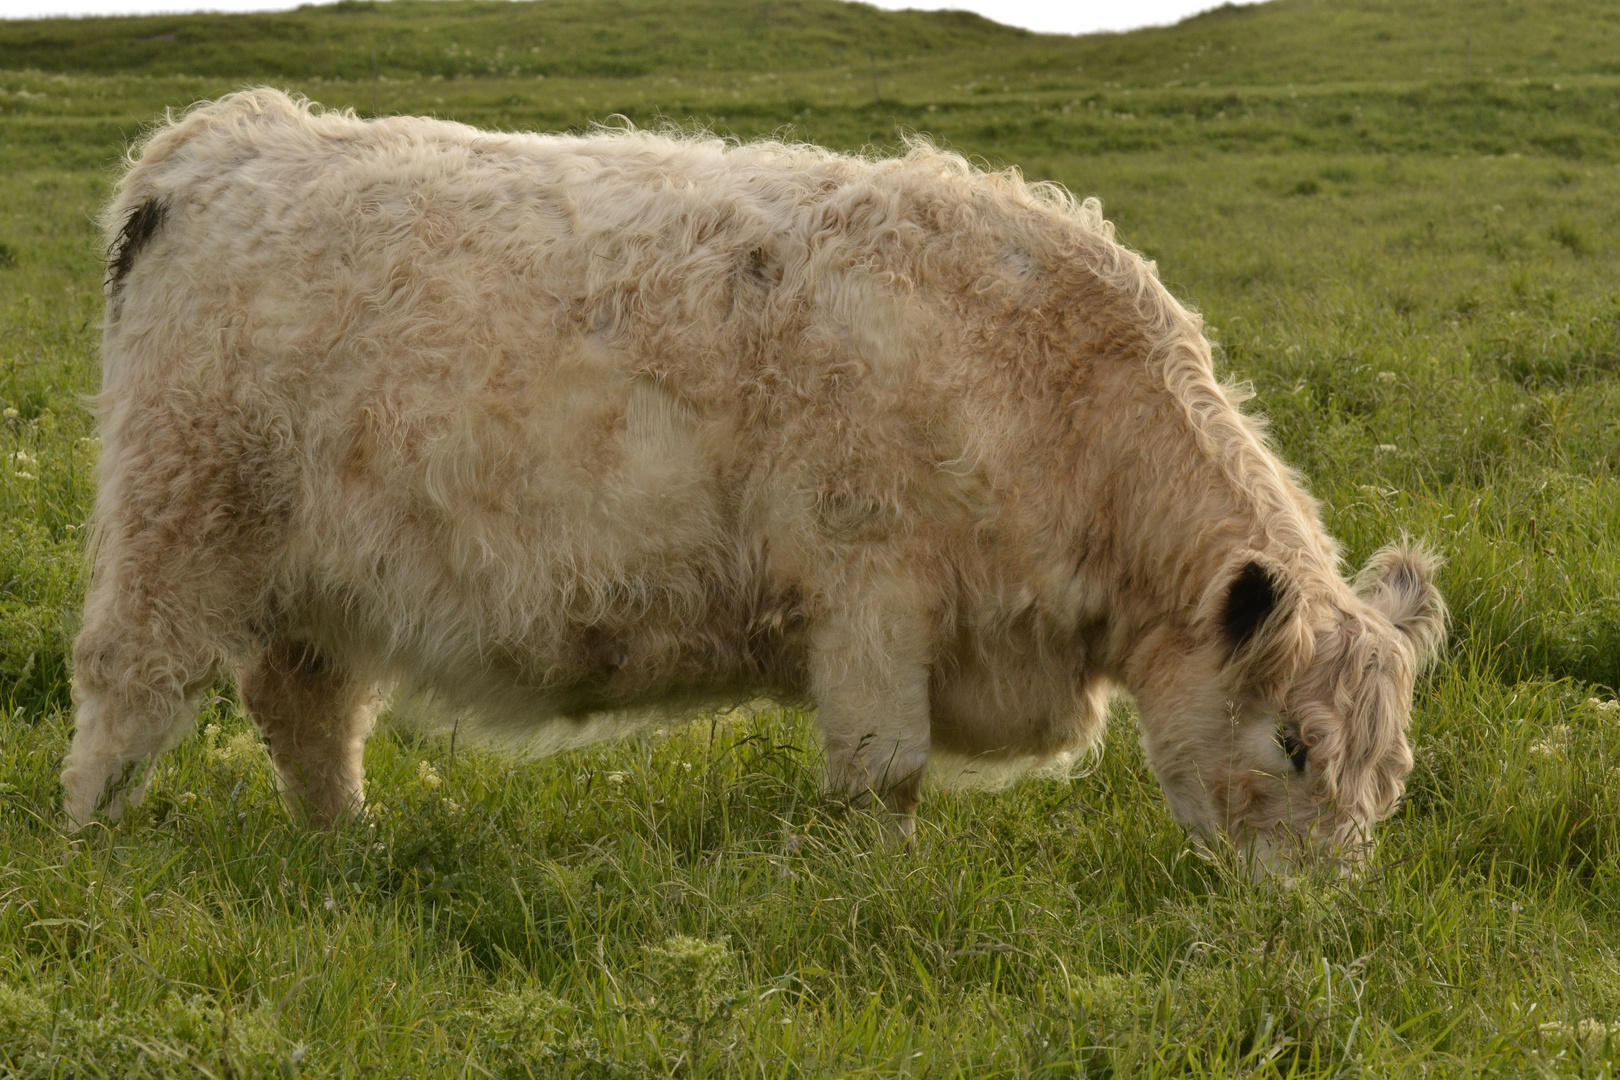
<point>1253,596</point>
<point>310,663</point>
<point>1288,739</point>
<point>139,228</point>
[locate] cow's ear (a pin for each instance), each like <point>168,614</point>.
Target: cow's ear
<point>1252,598</point>
<point>1254,605</point>
<point>1398,581</point>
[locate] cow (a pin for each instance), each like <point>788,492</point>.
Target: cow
<point>561,428</point>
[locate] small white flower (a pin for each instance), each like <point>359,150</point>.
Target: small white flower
<point>12,414</point>
<point>1386,376</point>
<point>330,904</point>
<point>1587,1030</point>
<point>618,777</point>
<point>1556,742</point>
<point>452,806</point>
<point>236,754</point>
<point>427,775</point>
<point>1609,708</point>
<point>1384,448</point>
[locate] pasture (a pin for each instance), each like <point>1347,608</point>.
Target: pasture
<point>1403,227</point>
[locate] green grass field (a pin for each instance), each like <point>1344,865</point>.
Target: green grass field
<point>1402,221</point>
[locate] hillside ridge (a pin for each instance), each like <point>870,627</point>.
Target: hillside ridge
<point>1277,42</point>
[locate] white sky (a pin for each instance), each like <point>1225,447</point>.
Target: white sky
<point>1050,16</point>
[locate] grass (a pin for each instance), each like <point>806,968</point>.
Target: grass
<point>1416,264</point>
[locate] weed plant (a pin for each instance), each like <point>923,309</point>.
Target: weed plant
<point>1400,223</point>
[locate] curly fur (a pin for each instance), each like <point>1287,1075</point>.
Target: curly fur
<point>555,429</point>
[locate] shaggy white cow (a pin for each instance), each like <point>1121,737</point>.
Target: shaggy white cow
<point>559,427</point>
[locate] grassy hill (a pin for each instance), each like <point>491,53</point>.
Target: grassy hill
<point>526,38</point>
<point>1400,222</point>
<point>1302,42</point>
<point>1346,77</point>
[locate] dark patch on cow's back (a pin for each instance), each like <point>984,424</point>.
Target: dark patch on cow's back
<point>140,226</point>
<point>758,269</point>
<point>761,269</point>
<point>1250,600</point>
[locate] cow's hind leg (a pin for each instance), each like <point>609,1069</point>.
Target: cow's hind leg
<point>869,677</point>
<point>315,714</point>
<point>140,666</point>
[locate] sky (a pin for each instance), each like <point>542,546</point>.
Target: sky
<point>1047,16</point>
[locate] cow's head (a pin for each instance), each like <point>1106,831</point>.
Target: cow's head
<point>1281,723</point>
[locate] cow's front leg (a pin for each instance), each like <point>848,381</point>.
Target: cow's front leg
<point>315,715</point>
<point>869,676</point>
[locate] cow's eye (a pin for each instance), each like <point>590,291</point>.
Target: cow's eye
<point>1288,739</point>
